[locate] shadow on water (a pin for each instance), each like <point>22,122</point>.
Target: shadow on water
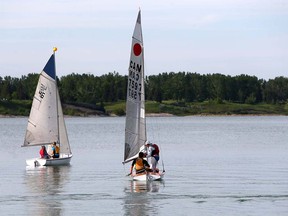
<point>139,197</point>
<point>45,185</point>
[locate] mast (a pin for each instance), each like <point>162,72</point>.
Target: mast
<point>56,97</point>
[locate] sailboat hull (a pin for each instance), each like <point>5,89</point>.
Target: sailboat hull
<point>148,177</point>
<point>62,161</point>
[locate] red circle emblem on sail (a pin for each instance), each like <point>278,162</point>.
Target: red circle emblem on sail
<point>137,49</point>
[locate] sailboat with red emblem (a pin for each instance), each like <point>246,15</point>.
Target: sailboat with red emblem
<point>135,127</point>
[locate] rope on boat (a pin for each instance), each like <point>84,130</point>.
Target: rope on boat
<point>156,136</point>
<point>163,166</point>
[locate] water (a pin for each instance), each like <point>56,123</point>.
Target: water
<point>215,166</point>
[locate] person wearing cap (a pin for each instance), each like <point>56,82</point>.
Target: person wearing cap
<point>153,152</point>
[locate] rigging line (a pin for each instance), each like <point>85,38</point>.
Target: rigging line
<point>156,127</point>
<point>160,145</point>
<point>163,165</point>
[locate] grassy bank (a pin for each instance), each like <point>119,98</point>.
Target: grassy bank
<point>15,107</point>
<point>203,108</point>
<point>22,108</point>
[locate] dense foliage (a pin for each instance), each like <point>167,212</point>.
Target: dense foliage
<point>182,87</point>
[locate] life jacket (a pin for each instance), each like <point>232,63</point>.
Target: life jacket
<point>42,153</point>
<point>139,165</point>
<point>156,150</point>
<point>56,150</point>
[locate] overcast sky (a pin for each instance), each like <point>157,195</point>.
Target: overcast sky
<point>230,37</point>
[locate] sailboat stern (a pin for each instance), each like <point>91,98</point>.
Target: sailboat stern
<point>33,162</point>
<point>148,176</point>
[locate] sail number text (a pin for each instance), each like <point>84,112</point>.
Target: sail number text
<point>134,81</point>
<point>42,90</point>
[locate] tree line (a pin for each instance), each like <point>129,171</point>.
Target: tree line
<point>181,87</point>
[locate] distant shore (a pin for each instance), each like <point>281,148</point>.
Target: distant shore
<point>153,109</point>
<point>153,115</point>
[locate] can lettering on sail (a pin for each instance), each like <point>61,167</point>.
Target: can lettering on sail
<point>134,81</point>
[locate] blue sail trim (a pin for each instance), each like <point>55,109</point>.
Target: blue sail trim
<point>50,67</point>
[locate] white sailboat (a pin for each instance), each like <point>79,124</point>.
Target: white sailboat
<point>46,121</point>
<point>135,128</point>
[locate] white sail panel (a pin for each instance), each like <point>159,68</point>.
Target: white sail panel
<point>135,129</point>
<point>64,142</point>
<point>142,115</point>
<point>42,123</point>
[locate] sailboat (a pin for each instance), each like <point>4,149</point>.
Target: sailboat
<point>46,121</point>
<point>135,127</point>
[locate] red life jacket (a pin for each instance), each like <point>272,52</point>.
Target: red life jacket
<point>156,150</point>
<point>42,153</point>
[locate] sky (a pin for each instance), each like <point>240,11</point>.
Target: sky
<point>203,36</point>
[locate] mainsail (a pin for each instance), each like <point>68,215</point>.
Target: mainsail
<point>135,129</point>
<point>46,122</point>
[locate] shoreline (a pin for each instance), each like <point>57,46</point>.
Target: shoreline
<point>151,115</point>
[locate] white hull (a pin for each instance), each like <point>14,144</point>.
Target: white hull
<point>62,161</point>
<point>148,177</point>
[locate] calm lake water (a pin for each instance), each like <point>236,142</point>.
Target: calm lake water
<point>214,166</point>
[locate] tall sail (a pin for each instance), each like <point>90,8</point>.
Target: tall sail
<point>135,129</point>
<point>46,123</point>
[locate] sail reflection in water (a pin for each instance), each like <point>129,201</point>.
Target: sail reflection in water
<point>149,186</point>
<point>46,185</point>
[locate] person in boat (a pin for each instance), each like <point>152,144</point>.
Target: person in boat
<point>141,165</point>
<point>43,153</point>
<point>55,150</point>
<point>153,152</point>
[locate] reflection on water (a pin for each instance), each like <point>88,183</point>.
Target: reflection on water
<point>222,165</point>
<point>138,200</point>
<point>45,185</point>
<point>150,186</point>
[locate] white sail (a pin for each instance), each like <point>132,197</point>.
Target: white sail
<point>135,129</point>
<point>64,142</point>
<point>46,123</point>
